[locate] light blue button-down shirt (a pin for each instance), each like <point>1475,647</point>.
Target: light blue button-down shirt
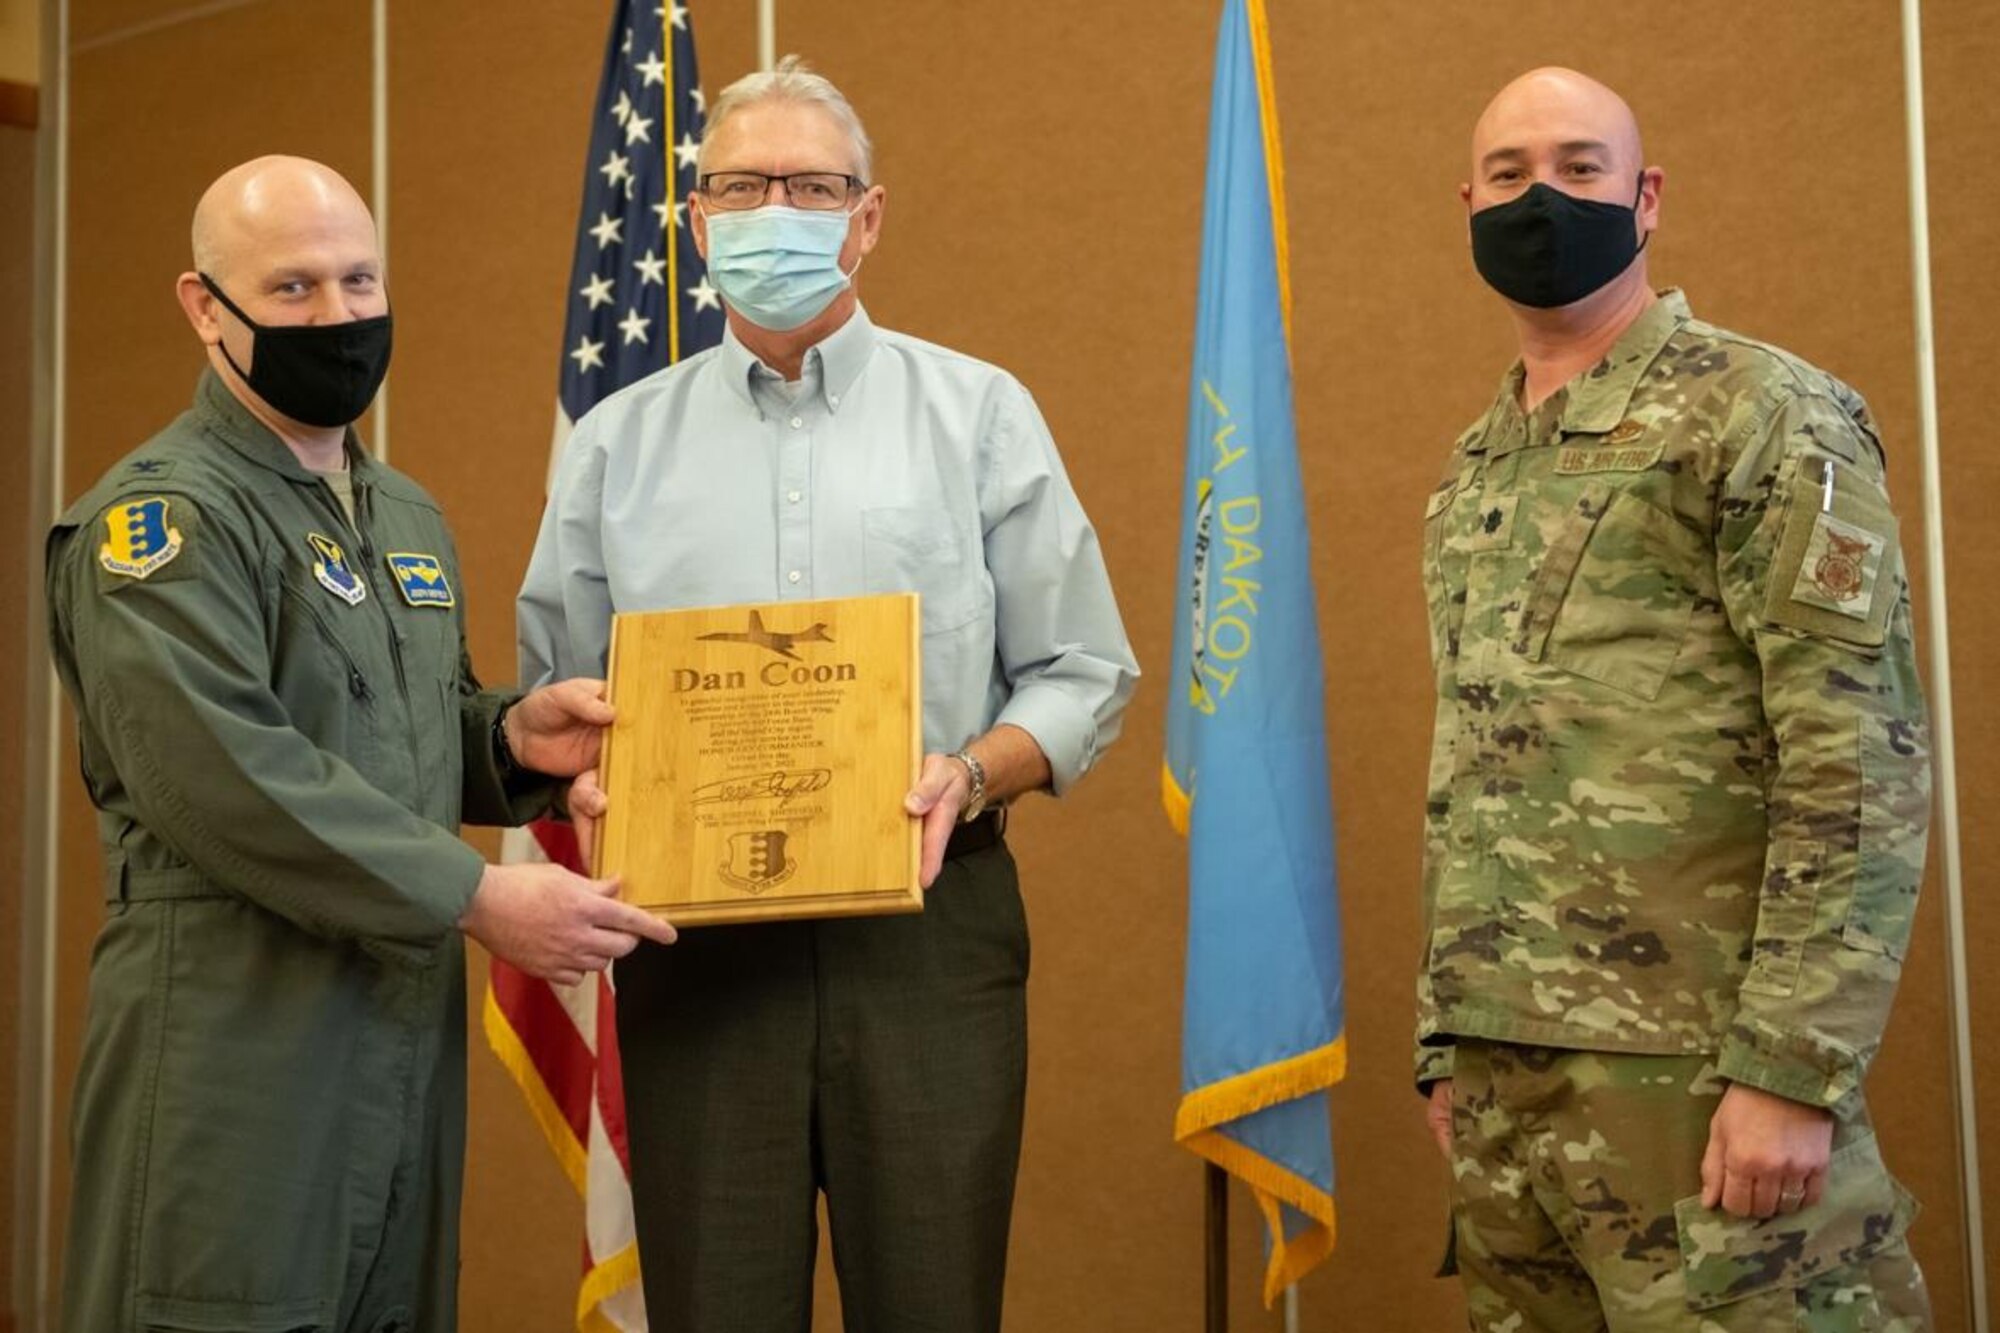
<point>890,466</point>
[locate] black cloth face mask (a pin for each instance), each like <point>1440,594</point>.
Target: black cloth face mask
<point>321,374</point>
<point>1548,249</point>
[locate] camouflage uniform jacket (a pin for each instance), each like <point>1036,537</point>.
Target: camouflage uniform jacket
<point>1680,778</point>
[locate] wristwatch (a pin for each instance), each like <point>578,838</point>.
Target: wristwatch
<point>503,753</point>
<point>975,801</point>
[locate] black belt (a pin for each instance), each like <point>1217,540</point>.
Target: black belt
<point>977,836</point>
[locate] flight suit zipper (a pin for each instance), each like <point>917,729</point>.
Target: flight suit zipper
<point>364,570</point>
<point>357,684</point>
<point>364,523</point>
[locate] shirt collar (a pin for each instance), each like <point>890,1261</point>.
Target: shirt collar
<point>835,361</point>
<point>235,425</point>
<point>1598,398</point>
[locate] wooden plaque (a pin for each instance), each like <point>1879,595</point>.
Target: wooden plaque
<point>760,758</point>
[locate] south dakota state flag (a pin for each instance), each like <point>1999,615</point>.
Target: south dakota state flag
<point>1246,780</point>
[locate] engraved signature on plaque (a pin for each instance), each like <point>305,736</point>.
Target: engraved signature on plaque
<point>781,787</point>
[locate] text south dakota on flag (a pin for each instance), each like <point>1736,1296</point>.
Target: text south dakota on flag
<point>638,300</point>
<point>1246,778</point>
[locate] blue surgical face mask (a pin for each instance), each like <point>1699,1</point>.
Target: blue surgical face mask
<point>777,266</point>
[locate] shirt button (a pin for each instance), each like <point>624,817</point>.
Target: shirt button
<point>833,400</point>
<point>798,422</point>
<point>793,496</point>
<point>792,577</point>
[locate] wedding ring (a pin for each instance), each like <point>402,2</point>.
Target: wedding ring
<point>1793,1196</point>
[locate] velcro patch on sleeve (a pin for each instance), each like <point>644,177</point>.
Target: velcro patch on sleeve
<point>1834,575</point>
<point>1841,566</point>
<point>142,537</point>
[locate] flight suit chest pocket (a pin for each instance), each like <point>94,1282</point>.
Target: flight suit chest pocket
<point>328,684</point>
<point>419,597</point>
<point>1614,592</point>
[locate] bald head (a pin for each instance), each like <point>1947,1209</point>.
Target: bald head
<point>1553,105</point>
<point>1565,132</point>
<point>289,242</point>
<point>270,205</point>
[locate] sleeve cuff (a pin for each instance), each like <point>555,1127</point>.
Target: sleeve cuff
<point>1063,728</point>
<point>455,886</point>
<point>492,797</point>
<point>1794,1065</point>
<point>1434,1065</point>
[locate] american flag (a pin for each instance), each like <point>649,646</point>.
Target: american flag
<point>639,299</point>
<point>633,245</point>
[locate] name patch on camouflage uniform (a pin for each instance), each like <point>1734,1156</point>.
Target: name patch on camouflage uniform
<point>332,571</point>
<point>420,578</point>
<point>138,538</point>
<point>1575,460</point>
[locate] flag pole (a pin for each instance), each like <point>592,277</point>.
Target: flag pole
<point>1965,1120</point>
<point>1215,1233</point>
<point>767,33</point>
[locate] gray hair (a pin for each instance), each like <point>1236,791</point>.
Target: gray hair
<point>791,80</point>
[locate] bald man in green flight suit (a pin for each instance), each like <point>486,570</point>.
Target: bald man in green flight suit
<point>262,630</point>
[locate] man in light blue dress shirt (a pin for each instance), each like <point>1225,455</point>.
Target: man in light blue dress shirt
<point>881,1061</point>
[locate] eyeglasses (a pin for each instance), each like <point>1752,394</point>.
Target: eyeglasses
<point>803,189</point>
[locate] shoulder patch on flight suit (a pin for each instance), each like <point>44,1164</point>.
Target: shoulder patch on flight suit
<point>1827,576</point>
<point>421,579</point>
<point>332,571</point>
<point>140,538</point>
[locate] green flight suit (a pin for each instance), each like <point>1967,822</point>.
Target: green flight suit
<point>280,731</point>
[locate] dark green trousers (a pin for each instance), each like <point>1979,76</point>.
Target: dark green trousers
<point>880,1060</point>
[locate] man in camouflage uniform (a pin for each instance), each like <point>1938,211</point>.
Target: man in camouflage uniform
<point>1678,791</point>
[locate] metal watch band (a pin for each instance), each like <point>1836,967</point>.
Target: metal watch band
<point>975,801</point>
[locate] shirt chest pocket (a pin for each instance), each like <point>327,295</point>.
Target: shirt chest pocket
<point>1614,592</point>
<point>922,551</point>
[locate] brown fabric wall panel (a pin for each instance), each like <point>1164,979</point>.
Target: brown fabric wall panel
<point>93,21</point>
<point>486,173</point>
<point>17,257</point>
<point>1961,49</point>
<point>1045,167</point>
<point>153,120</point>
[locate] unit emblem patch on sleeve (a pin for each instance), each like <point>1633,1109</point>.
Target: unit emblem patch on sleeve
<point>421,579</point>
<point>139,539</point>
<point>1841,565</point>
